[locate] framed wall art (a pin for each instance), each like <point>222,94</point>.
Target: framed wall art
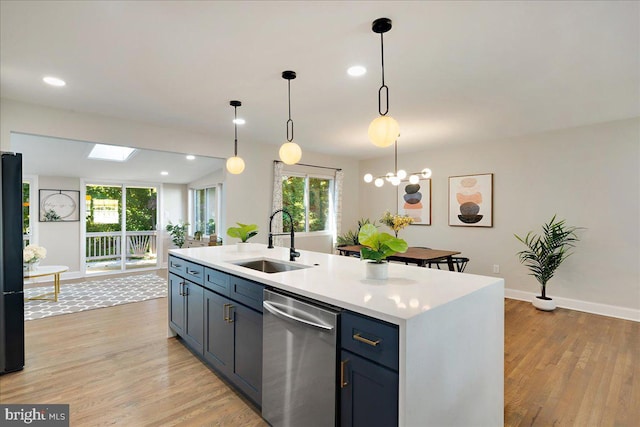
<point>59,205</point>
<point>414,200</point>
<point>471,200</point>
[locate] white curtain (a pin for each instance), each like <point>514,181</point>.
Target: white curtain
<point>277,201</point>
<point>337,196</point>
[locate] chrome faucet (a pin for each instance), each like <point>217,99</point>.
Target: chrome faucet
<point>293,254</point>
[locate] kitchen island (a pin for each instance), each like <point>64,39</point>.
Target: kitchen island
<point>450,326</point>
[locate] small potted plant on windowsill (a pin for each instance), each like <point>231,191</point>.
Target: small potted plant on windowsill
<point>243,232</point>
<point>178,232</point>
<point>377,247</point>
<point>545,253</point>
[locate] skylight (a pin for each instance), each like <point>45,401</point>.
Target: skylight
<point>112,153</point>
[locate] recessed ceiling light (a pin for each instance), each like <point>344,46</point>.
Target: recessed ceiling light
<point>164,173</point>
<point>113,153</point>
<point>191,157</point>
<point>239,121</point>
<point>356,71</point>
<point>54,81</point>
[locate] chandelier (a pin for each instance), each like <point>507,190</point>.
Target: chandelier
<point>397,175</point>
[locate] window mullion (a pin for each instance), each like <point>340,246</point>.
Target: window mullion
<point>306,203</point>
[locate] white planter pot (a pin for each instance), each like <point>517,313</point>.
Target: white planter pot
<point>243,246</point>
<point>543,304</point>
<point>377,271</point>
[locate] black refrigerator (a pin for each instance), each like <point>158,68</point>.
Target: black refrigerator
<point>11,281</point>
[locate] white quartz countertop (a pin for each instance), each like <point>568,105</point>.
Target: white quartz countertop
<point>340,280</point>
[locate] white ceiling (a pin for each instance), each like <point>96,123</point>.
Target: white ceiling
<point>61,157</point>
<point>458,72</point>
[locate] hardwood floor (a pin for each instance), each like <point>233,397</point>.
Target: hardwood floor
<point>115,366</point>
<point>568,368</point>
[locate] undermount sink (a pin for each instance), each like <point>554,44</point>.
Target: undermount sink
<point>270,266</point>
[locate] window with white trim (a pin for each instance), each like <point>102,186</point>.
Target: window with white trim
<point>309,200</point>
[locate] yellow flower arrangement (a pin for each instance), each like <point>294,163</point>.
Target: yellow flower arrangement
<point>396,222</point>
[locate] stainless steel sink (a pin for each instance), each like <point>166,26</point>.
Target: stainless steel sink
<point>270,266</point>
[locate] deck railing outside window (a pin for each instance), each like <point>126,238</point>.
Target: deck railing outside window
<point>108,245</point>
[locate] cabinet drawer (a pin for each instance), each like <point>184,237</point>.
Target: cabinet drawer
<point>194,272</point>
<point>177,266</point>
<point>370,338</point>
<point>216,281</point>
<point>246,292</point>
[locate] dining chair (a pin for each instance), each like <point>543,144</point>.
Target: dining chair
<point>459,262</point>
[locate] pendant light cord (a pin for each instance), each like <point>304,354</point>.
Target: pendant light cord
<point>235,125</point>
<point>384,86</point>
<point>289,121</point>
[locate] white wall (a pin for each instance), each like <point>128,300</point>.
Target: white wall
<point>60,238</point>
<point>588,175</point>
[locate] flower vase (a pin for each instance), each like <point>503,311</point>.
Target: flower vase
<point>32,266</point>
<point>377,271</point>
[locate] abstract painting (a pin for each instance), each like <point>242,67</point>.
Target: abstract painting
<point>414,200</point>
<point>471,200</point>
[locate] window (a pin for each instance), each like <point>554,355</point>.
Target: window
<point>26,212</point>
<point>309,201</point>
<point>205,208</point>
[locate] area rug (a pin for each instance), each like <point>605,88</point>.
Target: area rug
<point>94,294</point>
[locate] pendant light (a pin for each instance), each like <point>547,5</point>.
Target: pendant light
<point>383,130</point>
<point>235,164</point>
<point>290,152</point>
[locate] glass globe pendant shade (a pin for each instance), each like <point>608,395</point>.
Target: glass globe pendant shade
<point>414,179</point>
<point>368,178</point>
<point>379,182</point>
<point>383,131</point>
<point>402,174</point>
<point>235,165</point>
<point>426,173</point>
<point>395,181</point>
<point>290,153</point>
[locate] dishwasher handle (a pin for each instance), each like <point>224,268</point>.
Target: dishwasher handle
<point>272,307</point>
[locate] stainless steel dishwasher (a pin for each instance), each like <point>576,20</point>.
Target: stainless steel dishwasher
<point>299,362</point>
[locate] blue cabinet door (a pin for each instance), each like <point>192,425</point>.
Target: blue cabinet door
<point>218,344</point>
<point>176,304</point>
<point>233,343</point>
<point>194,318</point>
<point>247,365</point>
<point>368,393</point>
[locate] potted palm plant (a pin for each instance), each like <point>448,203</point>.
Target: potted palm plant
<point>377,247</point>
<point>243,232</point>
<point>545,253</point>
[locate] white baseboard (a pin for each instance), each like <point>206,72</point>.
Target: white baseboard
<point>588,307</point>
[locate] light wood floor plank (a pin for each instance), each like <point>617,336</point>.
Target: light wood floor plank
<point>116,366</point>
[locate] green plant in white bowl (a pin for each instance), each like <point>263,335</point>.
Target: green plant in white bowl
<point>379,246</point>
<point>243,232</point>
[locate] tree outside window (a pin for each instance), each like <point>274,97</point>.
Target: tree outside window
<point>307,199</point>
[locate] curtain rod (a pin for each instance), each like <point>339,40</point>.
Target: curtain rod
<point>313,166</point>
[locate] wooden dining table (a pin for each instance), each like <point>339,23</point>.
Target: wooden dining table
<point>413,255</point>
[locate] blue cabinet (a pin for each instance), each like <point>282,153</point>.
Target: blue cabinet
<point>368,372</point>
<point>233,343</point>
<point>186,310</point>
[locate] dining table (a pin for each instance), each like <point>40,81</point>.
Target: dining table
<point>414,255</point>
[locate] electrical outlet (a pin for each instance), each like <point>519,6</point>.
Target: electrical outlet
<point>496,268</point>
